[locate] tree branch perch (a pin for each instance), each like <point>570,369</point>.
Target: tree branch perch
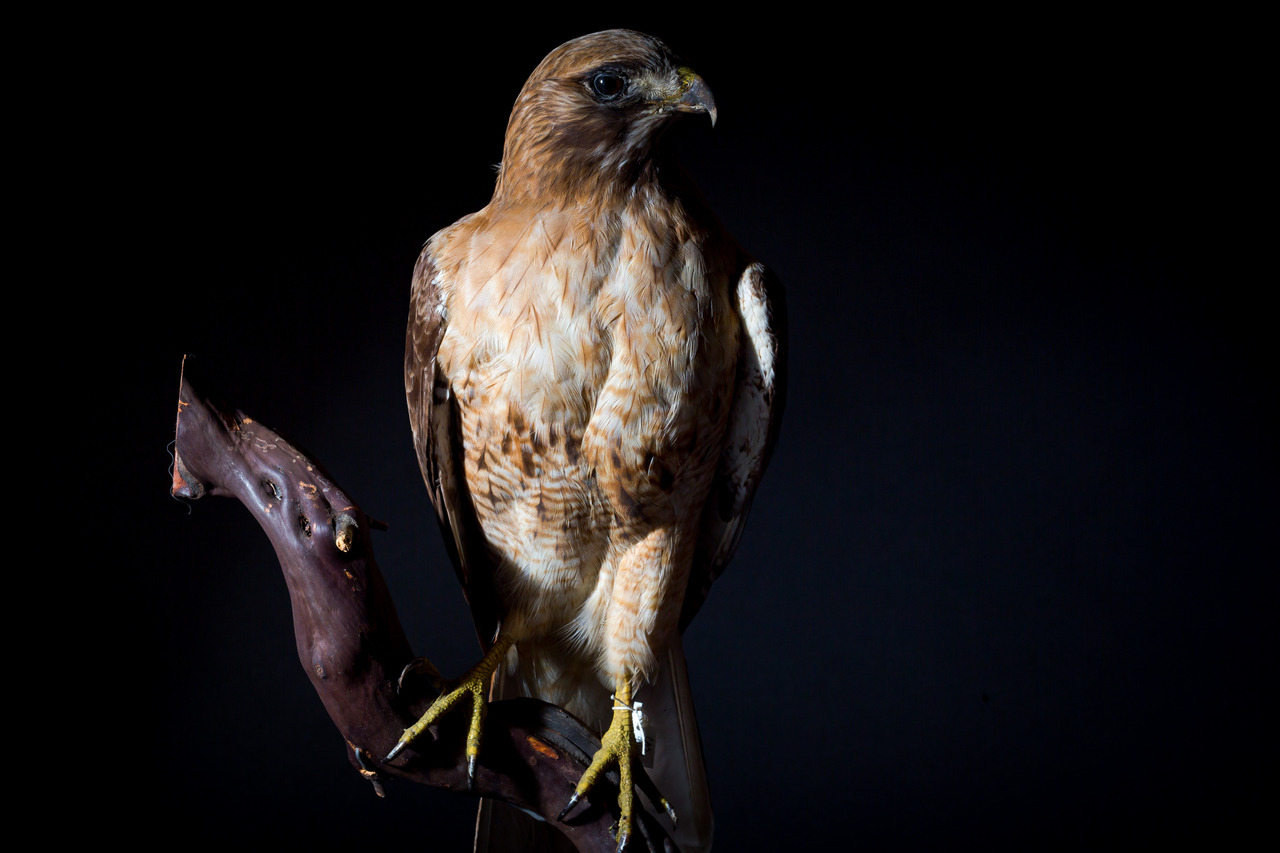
<point>352,646</point>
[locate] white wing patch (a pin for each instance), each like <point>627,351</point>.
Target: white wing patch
<point>754,307</point>
<point>752,405</point>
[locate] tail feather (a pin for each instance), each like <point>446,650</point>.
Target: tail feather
<point>673,754</point>
<point>502,828</point>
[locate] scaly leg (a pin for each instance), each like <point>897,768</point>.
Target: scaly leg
<point>617,745</point>
<point>475,684</point>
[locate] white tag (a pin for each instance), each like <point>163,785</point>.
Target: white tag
<point>637,725</point>
<point>637,720</point>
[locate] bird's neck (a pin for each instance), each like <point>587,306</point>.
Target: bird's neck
<point>543,174</point>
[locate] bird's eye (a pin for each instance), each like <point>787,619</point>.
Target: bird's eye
<point>608,85</point>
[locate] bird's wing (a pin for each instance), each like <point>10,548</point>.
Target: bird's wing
<point>433,415</point>
<point>758,400</point>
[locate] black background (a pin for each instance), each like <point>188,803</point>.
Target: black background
<point>1005,584</point>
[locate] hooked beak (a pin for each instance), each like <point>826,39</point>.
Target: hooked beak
<point>694,95</point>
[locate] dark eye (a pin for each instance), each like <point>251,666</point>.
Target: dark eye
<point>608,85</point>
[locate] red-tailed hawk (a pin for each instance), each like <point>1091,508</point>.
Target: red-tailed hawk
<point>594,371</point>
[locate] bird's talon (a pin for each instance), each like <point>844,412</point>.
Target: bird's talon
<point>425,668</point>
<point>573,801</point>
<point>472,687</point>
<point>617,746</point>
<point>367,771</point>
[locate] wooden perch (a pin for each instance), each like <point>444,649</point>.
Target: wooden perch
<point>351,644</point>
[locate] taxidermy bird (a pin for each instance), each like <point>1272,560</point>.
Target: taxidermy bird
<point>595,374</point>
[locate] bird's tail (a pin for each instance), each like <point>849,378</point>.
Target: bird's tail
<point>501,828</point>
<point>673,750</point>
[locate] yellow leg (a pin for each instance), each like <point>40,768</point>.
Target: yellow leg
<point>617,745</point>
<point>475,684</point>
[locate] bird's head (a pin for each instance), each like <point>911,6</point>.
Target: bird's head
<point>592,112</point>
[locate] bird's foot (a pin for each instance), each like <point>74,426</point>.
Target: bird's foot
<point>619,746</point>
<point>473,686</point>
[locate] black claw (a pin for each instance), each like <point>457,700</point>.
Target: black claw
<point>573,801</point>
<point>370,773</point>
<point>644,783</point>
<point>471,772</point>
<point>395,750</point>
<point>400,680</point>
<point>423,667</point>
<point>622,842</point>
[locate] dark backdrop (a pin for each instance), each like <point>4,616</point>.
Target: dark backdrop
<point>1005,586</point>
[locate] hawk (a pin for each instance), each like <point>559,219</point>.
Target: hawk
<point>595,372</point>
